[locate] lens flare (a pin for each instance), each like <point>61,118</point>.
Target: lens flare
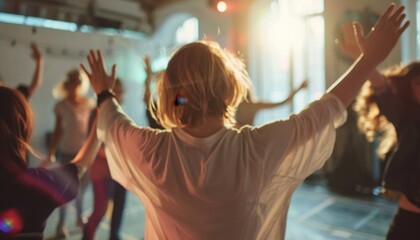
<point>10,222</point>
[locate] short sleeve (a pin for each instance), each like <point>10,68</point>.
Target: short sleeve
<point>60,183</point>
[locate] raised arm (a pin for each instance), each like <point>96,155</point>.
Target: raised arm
<point>375,47</point>
<point>39,69</point>
<point>148,70</point>
<point>99,80</point>
<point>267,105</point>
<point>87,153</point>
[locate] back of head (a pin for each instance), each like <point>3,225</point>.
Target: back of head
<point>15,128</point>
<point>210,81</point>
<point>400,78</point>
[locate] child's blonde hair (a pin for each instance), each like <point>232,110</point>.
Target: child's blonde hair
<point>202,80</point>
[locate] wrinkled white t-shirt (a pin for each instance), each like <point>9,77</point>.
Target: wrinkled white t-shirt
<point>235,184</point>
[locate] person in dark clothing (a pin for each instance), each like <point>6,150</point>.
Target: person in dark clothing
<point>389,105</point>
<point>29,195</point>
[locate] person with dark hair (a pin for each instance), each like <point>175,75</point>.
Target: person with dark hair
<point>201,178</point>
<point>104,188</point>
<point>29,195</point>
<point>389,109</point>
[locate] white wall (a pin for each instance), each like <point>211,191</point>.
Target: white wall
<point>16,67</point>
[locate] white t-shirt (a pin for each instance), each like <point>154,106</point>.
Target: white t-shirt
<point>74,122</point>
<point>235,184</point>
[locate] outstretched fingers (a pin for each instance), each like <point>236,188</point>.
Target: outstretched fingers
<point>385,16</point>
<point>396,14</point>
<point>98,77</point>
<point>403,28</point>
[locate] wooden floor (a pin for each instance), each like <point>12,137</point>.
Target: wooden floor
<point>316,213</point>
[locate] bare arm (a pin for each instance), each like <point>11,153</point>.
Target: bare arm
<point>39,68</point>
<point>87,153</point>
<point>266,105</point>
<point>375,48</point>
<point>55,139</point>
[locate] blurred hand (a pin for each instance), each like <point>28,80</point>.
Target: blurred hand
<point>98,78</point>
<point>35,53</point>
<point>303,85</point>
<point>348,45</point>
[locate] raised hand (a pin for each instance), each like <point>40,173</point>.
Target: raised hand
<point>35,54</point>
<point>303,85</point>
<point>147,66</point>
<point>384,35</point>
<point>348,45</point>
<point>98,78</point>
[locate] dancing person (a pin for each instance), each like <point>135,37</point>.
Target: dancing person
<point>200,178</point>
<point>37,76</point>
<point>247,110</point>
<point>70,131</point>
<point>29,195</point>
<point>389,106</point>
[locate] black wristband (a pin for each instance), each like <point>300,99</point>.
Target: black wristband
<point>102,96</point>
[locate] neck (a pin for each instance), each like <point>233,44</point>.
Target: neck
<point>211,126</point>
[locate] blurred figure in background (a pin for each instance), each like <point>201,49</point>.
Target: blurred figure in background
<point>248,108</point>
<point>71,127</point>
<point>37,76</point>
<point>389,105</point>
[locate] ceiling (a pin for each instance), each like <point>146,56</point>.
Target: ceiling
<point>136,15</point>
